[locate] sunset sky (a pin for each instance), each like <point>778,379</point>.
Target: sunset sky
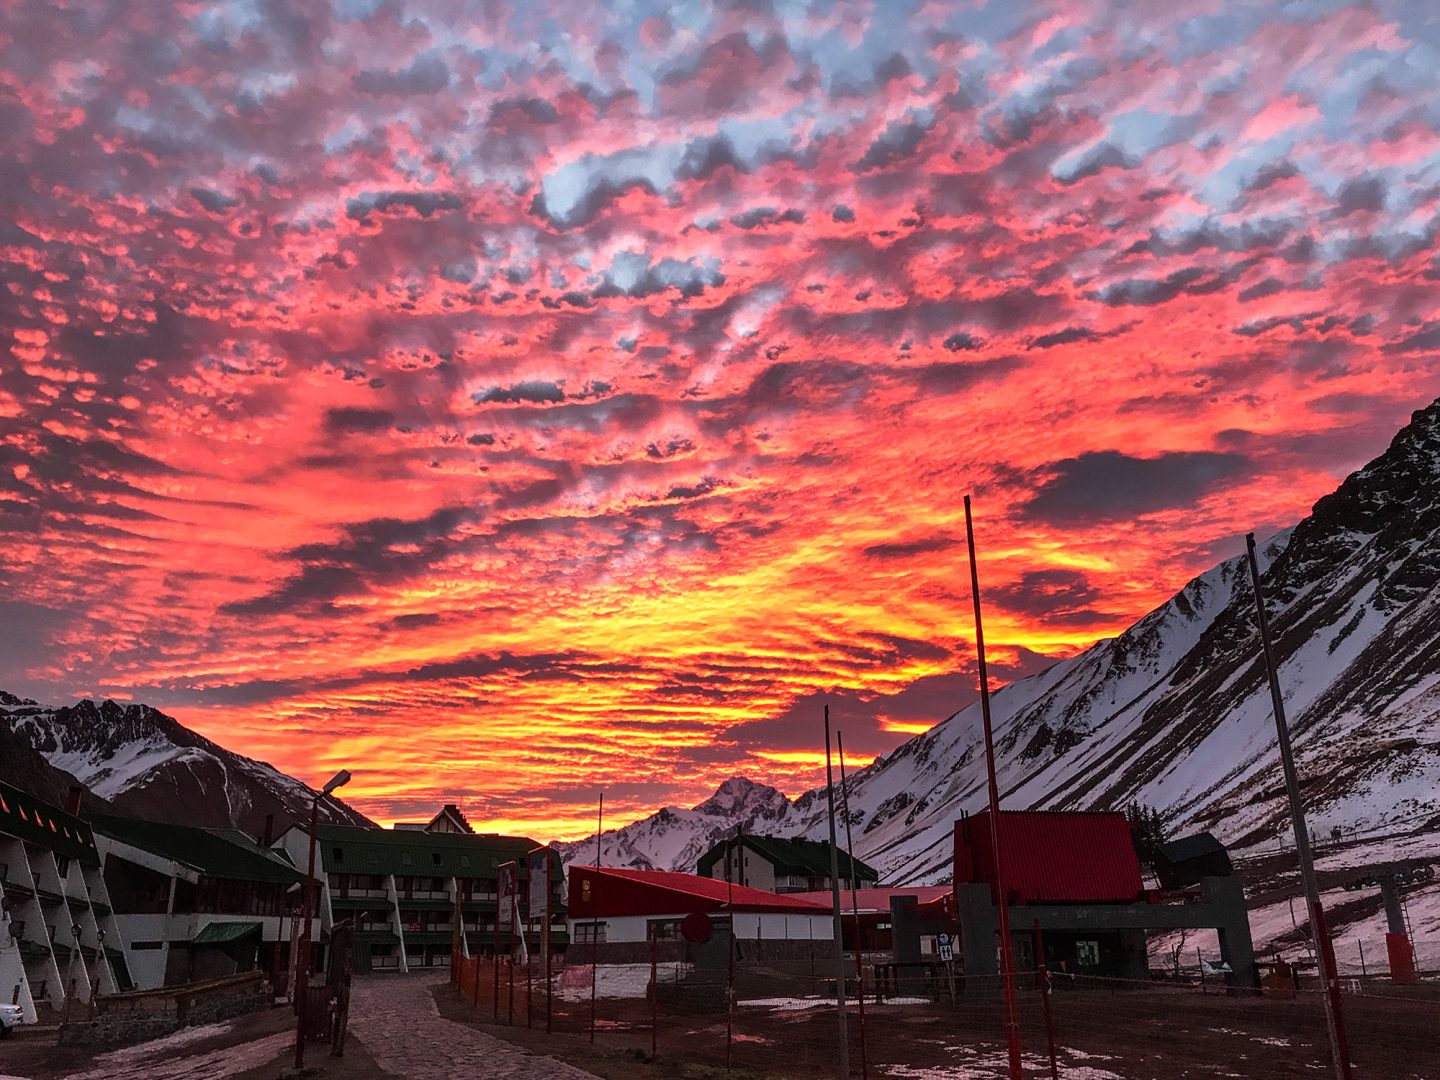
<point>503,401</point>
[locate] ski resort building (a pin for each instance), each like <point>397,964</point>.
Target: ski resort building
<point>1077,877</point>
<point>401,888</point>
<point>196,904</point>
<point>618,911</point>
<point>449,819</point>
<point>782,864</point>
<point>59,941</point>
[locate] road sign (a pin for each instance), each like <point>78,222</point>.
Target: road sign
<point>942,938</point>
<point>946,954</point>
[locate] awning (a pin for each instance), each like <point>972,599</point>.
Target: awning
<point>225,933</point>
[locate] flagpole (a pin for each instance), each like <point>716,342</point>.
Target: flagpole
<point>1007,956</point>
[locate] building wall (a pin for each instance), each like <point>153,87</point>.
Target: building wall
<point>748,927</point>
<point>61,914</point>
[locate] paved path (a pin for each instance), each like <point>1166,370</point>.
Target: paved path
<point>396,1018</point>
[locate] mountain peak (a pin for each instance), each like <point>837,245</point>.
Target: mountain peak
<point>741,797</point>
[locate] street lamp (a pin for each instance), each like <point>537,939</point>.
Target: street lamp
<point>302,961</point>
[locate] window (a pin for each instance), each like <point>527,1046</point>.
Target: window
<point>337,855</point>
<point>663,929</point>
<point>1087,953</point>
<point>435,857</point>
<point>589,933</point>
<point>142,946</point>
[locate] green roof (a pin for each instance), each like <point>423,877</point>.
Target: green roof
<point>36,821</point>
<point>225,933</point>
<point>216,853</point>
<point>350,849</point>
<point>792,855</point>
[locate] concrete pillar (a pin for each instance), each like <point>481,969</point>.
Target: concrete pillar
<point>979,925</point>
<point>1232,923</point>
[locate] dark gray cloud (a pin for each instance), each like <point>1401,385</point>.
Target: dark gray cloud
<point>960,341</point>
<point>1095,160</point>
<point>1192,280</point>
<point>1363,193</point>
<point>533,390</point>
<point>377,551</point>
<point>427,75</point>
<point>424,203</point>
<point>899,140</point>
<point>1108,485</point>
<point>904,549</point>
<point>358,420</point>
<point>1067,336</point>
<point>1056,595</point>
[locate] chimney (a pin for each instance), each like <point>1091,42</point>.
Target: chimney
<point>268,836</point>
<point>72,800</point>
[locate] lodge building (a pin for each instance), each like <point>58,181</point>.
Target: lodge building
<point>402,888</point>
<point>782,864</point>
<point>59,941</point>
<point>198,903</point>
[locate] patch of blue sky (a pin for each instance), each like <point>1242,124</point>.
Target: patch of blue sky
<point>221,24</point>
<point>356,10</point>
<point>1137,132</point>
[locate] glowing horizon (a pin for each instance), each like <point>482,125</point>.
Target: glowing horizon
<point>505,403</point>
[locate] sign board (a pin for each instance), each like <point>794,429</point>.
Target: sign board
<point>505,897</point>
<point>947,953</point>
<point>942,938</point>
<point>538,867</point>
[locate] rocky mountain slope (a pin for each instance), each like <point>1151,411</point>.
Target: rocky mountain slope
<point>1175,712</point>
<point>674,838</point>
<point>136,760</point>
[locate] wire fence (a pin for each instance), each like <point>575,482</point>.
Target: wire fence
<point>780,1020</point>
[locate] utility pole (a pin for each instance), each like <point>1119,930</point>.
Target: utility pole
<point>1007,951</point>
<point>835,899</point>
<point>1324,953</point>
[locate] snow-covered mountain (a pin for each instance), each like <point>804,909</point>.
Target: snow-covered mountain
<point>674,839</point>
<point>140,761</point>
<point>1175,712</point>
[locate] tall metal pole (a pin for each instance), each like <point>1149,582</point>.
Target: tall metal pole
<point>1007,955</point>
<point>854,905</point>
<point>835,899</point>
<point>730,847</point>
<point>302,961</point>
<point>1324,953</point>
<point>549,985</point>
<point>595,926</point>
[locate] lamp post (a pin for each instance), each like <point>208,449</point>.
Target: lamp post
<point>302,960</point>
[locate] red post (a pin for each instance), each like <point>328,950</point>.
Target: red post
<point>302,968</point>
<point>654,991</point>
<point>1043,975</point>
<point>1402,958</point>
<point>1332,990</point>
<point>595,926</point>
<point>545,942</point>
<point>1007,956</point>
<point>854,909</point>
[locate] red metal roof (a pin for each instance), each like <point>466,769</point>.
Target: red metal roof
<point>1051,856</point>
<point>605,891</point>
